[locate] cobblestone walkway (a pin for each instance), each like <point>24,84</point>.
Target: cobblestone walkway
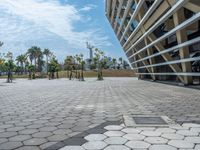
<point>40,114</point>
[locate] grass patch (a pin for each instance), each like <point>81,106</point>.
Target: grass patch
<point>90,74</point>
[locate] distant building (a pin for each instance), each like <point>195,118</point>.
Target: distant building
<point>161,38</point>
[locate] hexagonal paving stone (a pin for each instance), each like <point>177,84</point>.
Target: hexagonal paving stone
<point>161,147</point>
<point>195,130</point>
<point>20,138</point>
<point>62,131</point>
<point>156,140</point>
<point>197,147</point>
<point>146,128</point>
<point>46,145</point>
<point>181,144</point>
<point>131,130</point>
<point>137,144</point>
<point>10,145</point>
<point>165,130</point>
<point>113,127</point>
<point>35,126</point>
<point>28,131</point>
<point>72,148</point>
<point>114,133</point>
<point>3,140</point>
<point>115,140</point>
<point>80,128</point>
<point>48,129</point>
<point>35,141</point>
<point>187,133</point>
<point>172,136</point>
<point>95,137</point>
<point>7,134</point>
<point>4,126</point>
<point>117,147</point>
<point>66,126</point>
<point>191,125</point>
<point>42,134</point>
<point>15,129</point>
<point>57,138</point>
<point>97,145</point>
<point>134,136</point>
<point>28,148</point>
<point>23,123</point>
<point>96,131</point>
<point>178,127</point>
<point>150,133</point>
<point>195,140</point>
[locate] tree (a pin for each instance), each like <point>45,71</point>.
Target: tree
<point>99,58</point>
<point>69,65</point>
<point>9,66</point>
<point>37,55</point>
<point>80,66</point>
<point>114,61</point>
<point>30,53</point>
<point>53,67</point>
<point>31,69</point>
<point>77,60</point>
<point>47,53</point>
<point>21,59</point>
<point>121,62</point>
<point>2,65</point>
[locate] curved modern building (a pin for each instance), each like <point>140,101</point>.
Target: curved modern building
<point>161,38</point>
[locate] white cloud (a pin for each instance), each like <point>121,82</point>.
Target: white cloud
<point>24,21</point>
<point>88,7</point>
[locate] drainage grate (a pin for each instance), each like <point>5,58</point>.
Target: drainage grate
<point>149,120</point>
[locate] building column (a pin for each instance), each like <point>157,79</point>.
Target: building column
<point>184,52</point>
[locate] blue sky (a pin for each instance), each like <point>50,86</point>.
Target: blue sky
<point>60,25</point>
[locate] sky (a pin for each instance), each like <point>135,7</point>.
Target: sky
<point>63,26</point>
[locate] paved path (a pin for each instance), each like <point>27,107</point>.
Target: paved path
<point>38,114</point>
<point>119,137</point>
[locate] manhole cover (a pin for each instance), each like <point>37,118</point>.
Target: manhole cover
<point>149,120</point>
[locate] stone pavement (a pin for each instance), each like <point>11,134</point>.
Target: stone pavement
<point>42,114</point>
<point>119,137</point>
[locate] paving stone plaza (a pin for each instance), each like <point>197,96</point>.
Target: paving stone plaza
<point>73,115</point>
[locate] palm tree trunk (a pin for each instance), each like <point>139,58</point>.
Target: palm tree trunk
<point>47,63</point>
<point>82,77</point>
<point>21,68</point>
<point>35,65</point>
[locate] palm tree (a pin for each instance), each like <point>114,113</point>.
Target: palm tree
<point>30,54</point>
<point>21,59</point>
<point>99,57</point>
<point>77,59</point>
<point>31,72</point>
<point>9,66</point>
<point>36,54</point>
<point>82,62</point>
<point>69,65</point>
<point>47,53</point>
